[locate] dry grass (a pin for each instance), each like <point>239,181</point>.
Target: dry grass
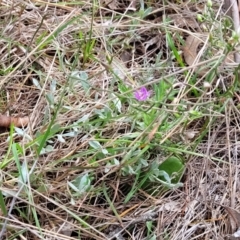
<point>90,131</point>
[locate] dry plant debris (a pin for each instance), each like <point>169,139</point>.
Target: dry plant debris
<point>112,96</point>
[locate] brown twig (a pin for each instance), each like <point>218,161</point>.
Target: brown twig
<point>236,22</point>
<point>6,121</point>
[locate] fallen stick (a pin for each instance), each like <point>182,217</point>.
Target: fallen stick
<point>6,121</point>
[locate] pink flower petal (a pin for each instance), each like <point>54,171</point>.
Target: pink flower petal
<point>142,94</point>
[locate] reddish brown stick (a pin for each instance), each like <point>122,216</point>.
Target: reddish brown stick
<point>6,121</point>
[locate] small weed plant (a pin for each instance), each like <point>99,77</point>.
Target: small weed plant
<point>126,139</point>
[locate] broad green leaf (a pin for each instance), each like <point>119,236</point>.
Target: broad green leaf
<point>174,167</point>
<point>164,176</point>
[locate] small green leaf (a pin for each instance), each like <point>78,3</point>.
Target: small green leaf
<point>2,204</point>
<point>80,76</point>
<point>60,138</point>
<point>55,128</point>
<point>174,167</point>
<point>84,119</point>
<point>84,183</point>
<point>117,102</point>
<point>22,133</point>
<point>47,149</point>
<point>50,99</point>
<point>36,83</point>
<point>81,184</point>
<point>95,144</point>
<point>174,49</point>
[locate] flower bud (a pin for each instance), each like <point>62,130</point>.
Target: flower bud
<point>209,3</point>
<point>200,17</point>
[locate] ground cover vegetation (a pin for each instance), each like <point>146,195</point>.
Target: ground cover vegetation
<point>131,120</point>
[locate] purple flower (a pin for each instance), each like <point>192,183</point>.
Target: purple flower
<point>142,94</point>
